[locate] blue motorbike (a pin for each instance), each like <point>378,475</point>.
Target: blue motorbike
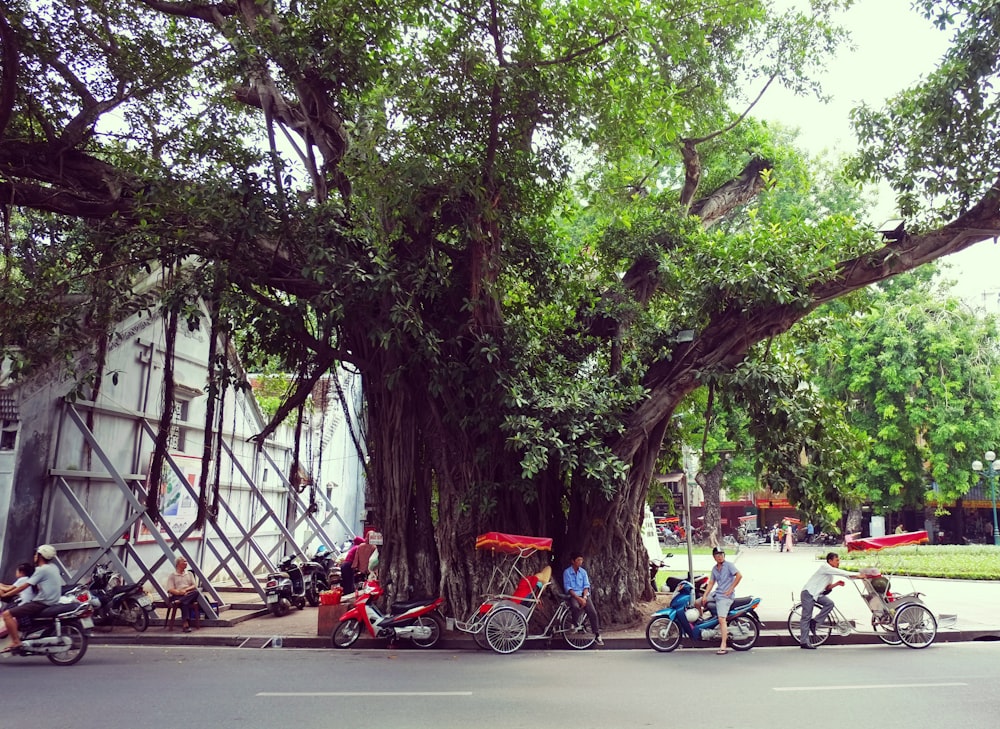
<point>667,626</point>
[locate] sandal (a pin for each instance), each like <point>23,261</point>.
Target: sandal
<point>721,652</point>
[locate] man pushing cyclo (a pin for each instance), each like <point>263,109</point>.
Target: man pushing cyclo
<point>815,592</point>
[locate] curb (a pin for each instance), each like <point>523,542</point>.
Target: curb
<point>768,639</point>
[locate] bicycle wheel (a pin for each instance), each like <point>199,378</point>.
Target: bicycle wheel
<point>885,632</point>
<point>915,626</point>
<point>663,634</point>
<point>580,638</point>
<point>346,633</point>
<point>743,633</point>
<point>506,630</point>
<point>480,638</point>
<point>819,637</point>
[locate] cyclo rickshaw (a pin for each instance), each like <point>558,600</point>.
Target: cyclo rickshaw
<point>502,619</point>
<point>896,618</point>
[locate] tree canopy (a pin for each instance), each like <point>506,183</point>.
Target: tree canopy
<point>533,227</point>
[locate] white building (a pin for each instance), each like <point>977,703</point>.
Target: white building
<point>73,472</point>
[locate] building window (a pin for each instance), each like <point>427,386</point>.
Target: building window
<point>8,434</point>
<point>177,440</point>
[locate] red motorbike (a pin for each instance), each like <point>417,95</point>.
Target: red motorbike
<point>418,621</point>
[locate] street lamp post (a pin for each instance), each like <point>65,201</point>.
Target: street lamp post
<point>991,474</point>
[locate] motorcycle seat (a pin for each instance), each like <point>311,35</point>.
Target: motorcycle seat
<point>402,607</point>
<point>738,602</point>
<point>53,610</point>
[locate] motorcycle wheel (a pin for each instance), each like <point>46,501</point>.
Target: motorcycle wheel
<point>135,616</point>
<point>822,634</point>
<point>78,645</point>
<point>580,639</point>
<point>743,633</point>
<point>281,608</point>
<point>432,622</point>
<point>317,586</point>
<point>346,633</point>
<point>663,634</point>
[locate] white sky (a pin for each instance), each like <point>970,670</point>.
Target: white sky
<point>894,47</point>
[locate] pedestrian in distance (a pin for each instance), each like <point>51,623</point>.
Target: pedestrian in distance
<point>816,592</point>
<point>723,579</point>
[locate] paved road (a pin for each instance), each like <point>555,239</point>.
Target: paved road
<point>126,687</point>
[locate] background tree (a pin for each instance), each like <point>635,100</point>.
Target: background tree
<point>916,371</point>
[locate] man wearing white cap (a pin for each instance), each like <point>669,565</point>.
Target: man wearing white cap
<point>48,584</point>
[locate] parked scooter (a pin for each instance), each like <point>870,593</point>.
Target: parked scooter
<point>119,604</point>
<point>316,581</point>
<point>294,584</point>
<point>60,632</point>
<point>681,618</point>
<point>329,567</point>
<point>418,620</point>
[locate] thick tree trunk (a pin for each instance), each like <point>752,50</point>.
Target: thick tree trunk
<point>711,486</point>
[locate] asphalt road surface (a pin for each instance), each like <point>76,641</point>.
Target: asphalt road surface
<point>857,686</point>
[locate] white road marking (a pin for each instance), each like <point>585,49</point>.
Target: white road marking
<point>856,687</point>
<point>298,694</point>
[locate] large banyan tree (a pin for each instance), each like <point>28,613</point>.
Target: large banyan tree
<point>534,226</point>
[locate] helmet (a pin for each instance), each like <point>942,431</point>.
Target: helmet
<point>321,549</point>
<point>46,552</point>
<point>718,550</point>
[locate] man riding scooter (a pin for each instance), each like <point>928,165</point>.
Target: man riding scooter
<point>48,585</point>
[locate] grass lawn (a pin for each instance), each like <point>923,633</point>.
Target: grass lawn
<point>967,562</point>
<point>681,551</point>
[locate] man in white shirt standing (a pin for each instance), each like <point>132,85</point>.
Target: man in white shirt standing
<point>815,592</point>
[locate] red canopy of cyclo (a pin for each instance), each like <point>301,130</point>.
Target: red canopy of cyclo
<point>512,543</point>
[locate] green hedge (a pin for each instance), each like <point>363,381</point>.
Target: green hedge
<point>972,562</point>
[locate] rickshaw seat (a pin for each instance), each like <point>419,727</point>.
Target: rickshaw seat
<point>529,589</point>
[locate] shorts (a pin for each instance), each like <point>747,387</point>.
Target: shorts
<point>722,605</point>
<point>28,609</point>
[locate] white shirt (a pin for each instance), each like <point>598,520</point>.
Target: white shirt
<point>822,579</point>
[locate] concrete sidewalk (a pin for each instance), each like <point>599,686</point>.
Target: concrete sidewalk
<point>967,607</point>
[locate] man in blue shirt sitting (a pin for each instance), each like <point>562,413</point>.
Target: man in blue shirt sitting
<point>576,582</point>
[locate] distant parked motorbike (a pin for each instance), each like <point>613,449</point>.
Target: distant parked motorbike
<point>667,626</point>
<point>60,632</point>
<point>294,584</point>
<point>418,620</point>
<point>328,564</point>
<point>655,565</point>
<point>119,603</point>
